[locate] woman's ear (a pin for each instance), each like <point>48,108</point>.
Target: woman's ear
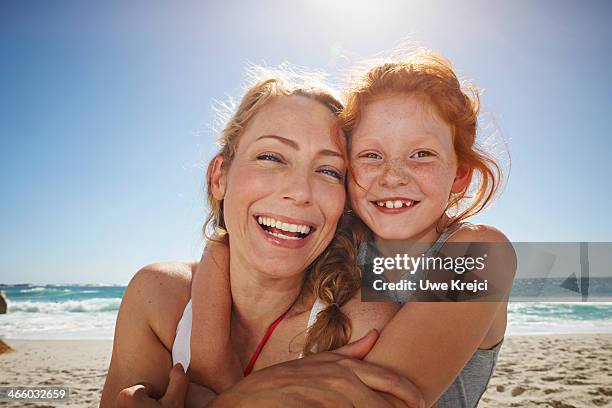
<point>218,178</point>
<point>463,177</point>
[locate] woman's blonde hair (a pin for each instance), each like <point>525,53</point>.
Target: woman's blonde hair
<point>429,76</point>
<point>333,276</point>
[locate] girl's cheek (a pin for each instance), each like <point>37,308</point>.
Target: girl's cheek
<point>432,175</point>
<point>362,178</point>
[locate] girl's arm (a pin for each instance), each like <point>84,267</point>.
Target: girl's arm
<point>213,361</point>
<point>430,342</point>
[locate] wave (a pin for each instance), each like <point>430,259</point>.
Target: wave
<point>47,290</point>
<point>54,285</point>
<point>566,311</point>
<point>34,289</point>
<point>70,306</point>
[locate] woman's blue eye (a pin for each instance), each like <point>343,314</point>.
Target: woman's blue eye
<point>334,173</point>
<point>269,157</point>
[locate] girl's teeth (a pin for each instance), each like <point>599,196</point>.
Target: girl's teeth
<point>395,204</point>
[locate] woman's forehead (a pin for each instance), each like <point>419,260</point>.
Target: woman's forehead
<point>296,106</point>
<point>293,117</point>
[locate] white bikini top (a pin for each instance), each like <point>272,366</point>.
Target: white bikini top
<point>181,350</point>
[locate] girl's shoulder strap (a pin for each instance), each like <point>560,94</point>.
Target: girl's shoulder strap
<point>446,234</point>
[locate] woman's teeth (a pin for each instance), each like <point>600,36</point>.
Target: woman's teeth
<point>296,231</point>
<point>395,203</point>
<point>283,236</point>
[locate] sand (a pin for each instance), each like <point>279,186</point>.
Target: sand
<point>78,364</point>
<point>559,371</point>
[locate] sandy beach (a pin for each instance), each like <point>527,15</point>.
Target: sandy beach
<point>559,371</point>
<point>78,364</point>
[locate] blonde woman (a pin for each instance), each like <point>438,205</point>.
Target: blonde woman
<point>277,191</point>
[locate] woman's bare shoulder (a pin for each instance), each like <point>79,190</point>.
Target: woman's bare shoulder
<point>162,290</point>
<point>146,325</point>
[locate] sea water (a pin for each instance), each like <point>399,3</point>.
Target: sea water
<point>90,311</point>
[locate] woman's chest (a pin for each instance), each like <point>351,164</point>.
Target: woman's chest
<point>284,344</point>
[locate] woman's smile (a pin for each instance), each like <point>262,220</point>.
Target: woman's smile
<point>284,231</point>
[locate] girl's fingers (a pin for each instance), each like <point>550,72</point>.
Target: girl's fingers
<point>138,395</point>
<point>177,388</point>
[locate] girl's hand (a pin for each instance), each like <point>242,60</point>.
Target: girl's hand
<point>180,393</point>
<point>139,395</point>
<point>213,360</point>
<point>334,379</point>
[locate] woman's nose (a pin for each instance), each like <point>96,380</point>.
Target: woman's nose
<point>298,189</point>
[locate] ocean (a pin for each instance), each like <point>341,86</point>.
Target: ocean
<point>58,312</point>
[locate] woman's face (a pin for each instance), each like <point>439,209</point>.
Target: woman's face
<point>404,166</point>
<point>284,192</point>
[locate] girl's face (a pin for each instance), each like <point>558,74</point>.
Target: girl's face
<point>283,192</point>
<point>404,167</point>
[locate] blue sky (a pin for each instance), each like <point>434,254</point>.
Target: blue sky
<point>106,109</point>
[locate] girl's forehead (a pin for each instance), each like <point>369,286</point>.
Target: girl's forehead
<point>402,116</point>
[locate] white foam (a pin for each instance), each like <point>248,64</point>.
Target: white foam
<point>61,326</point>
<point>73,306</point>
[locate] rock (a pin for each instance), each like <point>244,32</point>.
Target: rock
<point>2,303</point>
<point>5,348</point>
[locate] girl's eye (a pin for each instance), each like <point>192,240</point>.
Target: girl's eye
<point>371,155</point>
<point>421,154</point>
<point>333,173</point>
<point>269,157</point>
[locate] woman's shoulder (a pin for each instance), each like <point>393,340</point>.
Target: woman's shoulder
<point>162,290</point>
<point>163,276</point>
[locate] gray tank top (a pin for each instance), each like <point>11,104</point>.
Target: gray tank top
<point>469,385</point>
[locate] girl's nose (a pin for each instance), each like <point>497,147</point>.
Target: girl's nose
<point>394,173</point>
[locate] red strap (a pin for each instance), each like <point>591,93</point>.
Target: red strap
<point>262,343</point>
